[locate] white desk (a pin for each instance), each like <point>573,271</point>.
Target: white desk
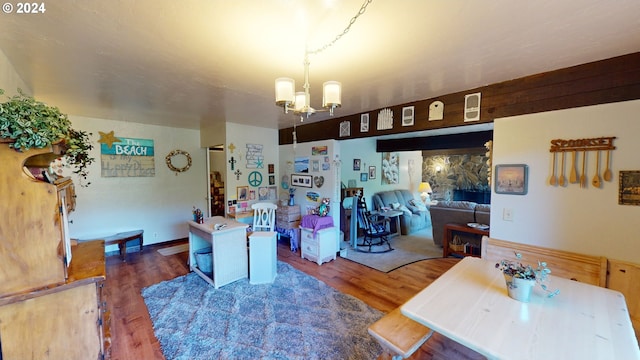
<point>229,245</point>
<point>469,304</point>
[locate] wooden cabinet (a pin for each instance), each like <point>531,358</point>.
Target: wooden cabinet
<point>50,291</point>
<point>464,250</point>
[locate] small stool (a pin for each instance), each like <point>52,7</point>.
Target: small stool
<point>399,335</point>
<point>263,257</point>
<point>122,238</point>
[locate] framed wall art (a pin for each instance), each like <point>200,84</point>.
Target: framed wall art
<point>345,128</point>
<point>629,188</point>
<point>364,123</point>
<point>511,179</point>
<point>242,193</point>
<point>372,172</point>
<point>356,164</point>
<point>407,116</point>
<point>301,180</point>
<point>390,168</point>
<point>363,176</point>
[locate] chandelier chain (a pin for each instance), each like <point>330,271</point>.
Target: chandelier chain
<point>363,8</point>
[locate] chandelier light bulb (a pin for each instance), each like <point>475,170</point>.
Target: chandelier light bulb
<point>285,88</point>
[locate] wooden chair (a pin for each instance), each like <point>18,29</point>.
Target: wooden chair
<point>373,228</point>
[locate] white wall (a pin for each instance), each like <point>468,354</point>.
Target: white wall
<point>160,205</point>
<point>571,218</point>
<point>365,150</point>
<point>240,135</point>
<point>9,79</point>
<point>331,185</point>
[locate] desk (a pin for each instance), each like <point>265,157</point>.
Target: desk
<point>229,249</point>
<point>469,304</point>
<point>449,228</point>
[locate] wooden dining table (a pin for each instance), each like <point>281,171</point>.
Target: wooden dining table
<point>469,304</point>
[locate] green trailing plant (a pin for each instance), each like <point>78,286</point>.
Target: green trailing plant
<point>516,269</point>
<point>30,123</point>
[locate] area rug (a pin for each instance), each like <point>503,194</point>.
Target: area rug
<point>174,249</point>
<point>407,250</point>
<point>295,317</point>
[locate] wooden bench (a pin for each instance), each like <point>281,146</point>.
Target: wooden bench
<point>584,268</point>
<point>122,238</point>
<point>399,335</point>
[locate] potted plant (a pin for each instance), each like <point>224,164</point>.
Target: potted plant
<point>521,278</point>
<point>28,123</point>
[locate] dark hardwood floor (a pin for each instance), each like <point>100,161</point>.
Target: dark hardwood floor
<point>132,333</point>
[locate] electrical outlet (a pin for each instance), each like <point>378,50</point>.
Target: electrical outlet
<point>507,214</point>
<point>155,235</point>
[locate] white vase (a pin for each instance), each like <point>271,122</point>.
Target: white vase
<point>519,289</point>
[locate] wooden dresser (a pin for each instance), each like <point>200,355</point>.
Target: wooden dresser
<point>51,304</point>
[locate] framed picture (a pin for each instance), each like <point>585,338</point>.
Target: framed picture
<point>345,128</point>
<point>301,180</point>
<point>271,168</point>
<point>511,179</point>
<point>629,188</point>
<point>372,172</point>
<point>407,115</point>
<point>364,123</point>
<point>356,164</point>
<point>390,168</point>
<point>363,176</point>
<point>242,193</point>
<point>272,180</point>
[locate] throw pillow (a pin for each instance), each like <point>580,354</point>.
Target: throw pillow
<point>395,206</point>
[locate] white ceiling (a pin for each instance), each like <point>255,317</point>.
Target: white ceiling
<point>187,63</point>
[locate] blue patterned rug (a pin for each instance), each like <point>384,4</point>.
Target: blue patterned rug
<point>295,317</point>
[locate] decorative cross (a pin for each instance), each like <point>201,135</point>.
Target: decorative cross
<point>238,173</point>
<point>232,162</point>
<point>231,148</point>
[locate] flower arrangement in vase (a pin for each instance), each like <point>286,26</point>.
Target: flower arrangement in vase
<point>521,278</point>
<point>292,192</point>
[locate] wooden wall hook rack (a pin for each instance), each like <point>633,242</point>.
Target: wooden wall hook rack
<point>594,144</point>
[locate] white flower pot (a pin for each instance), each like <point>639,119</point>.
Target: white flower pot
<point>519,289</point>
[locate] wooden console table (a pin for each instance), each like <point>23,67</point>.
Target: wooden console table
<point>449,228</point>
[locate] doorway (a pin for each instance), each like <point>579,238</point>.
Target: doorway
<point>216,168</point>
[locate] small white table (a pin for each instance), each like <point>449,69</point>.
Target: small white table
<point>469,304</point>
<point>391,215</point>
<point>229,249</point>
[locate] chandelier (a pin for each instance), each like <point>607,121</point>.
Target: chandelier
<point>300,102</point>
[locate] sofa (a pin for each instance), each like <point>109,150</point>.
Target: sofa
<point>415,215</point>
<point>462,212</point>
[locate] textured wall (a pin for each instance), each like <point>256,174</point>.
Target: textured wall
<point>446,173</point>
